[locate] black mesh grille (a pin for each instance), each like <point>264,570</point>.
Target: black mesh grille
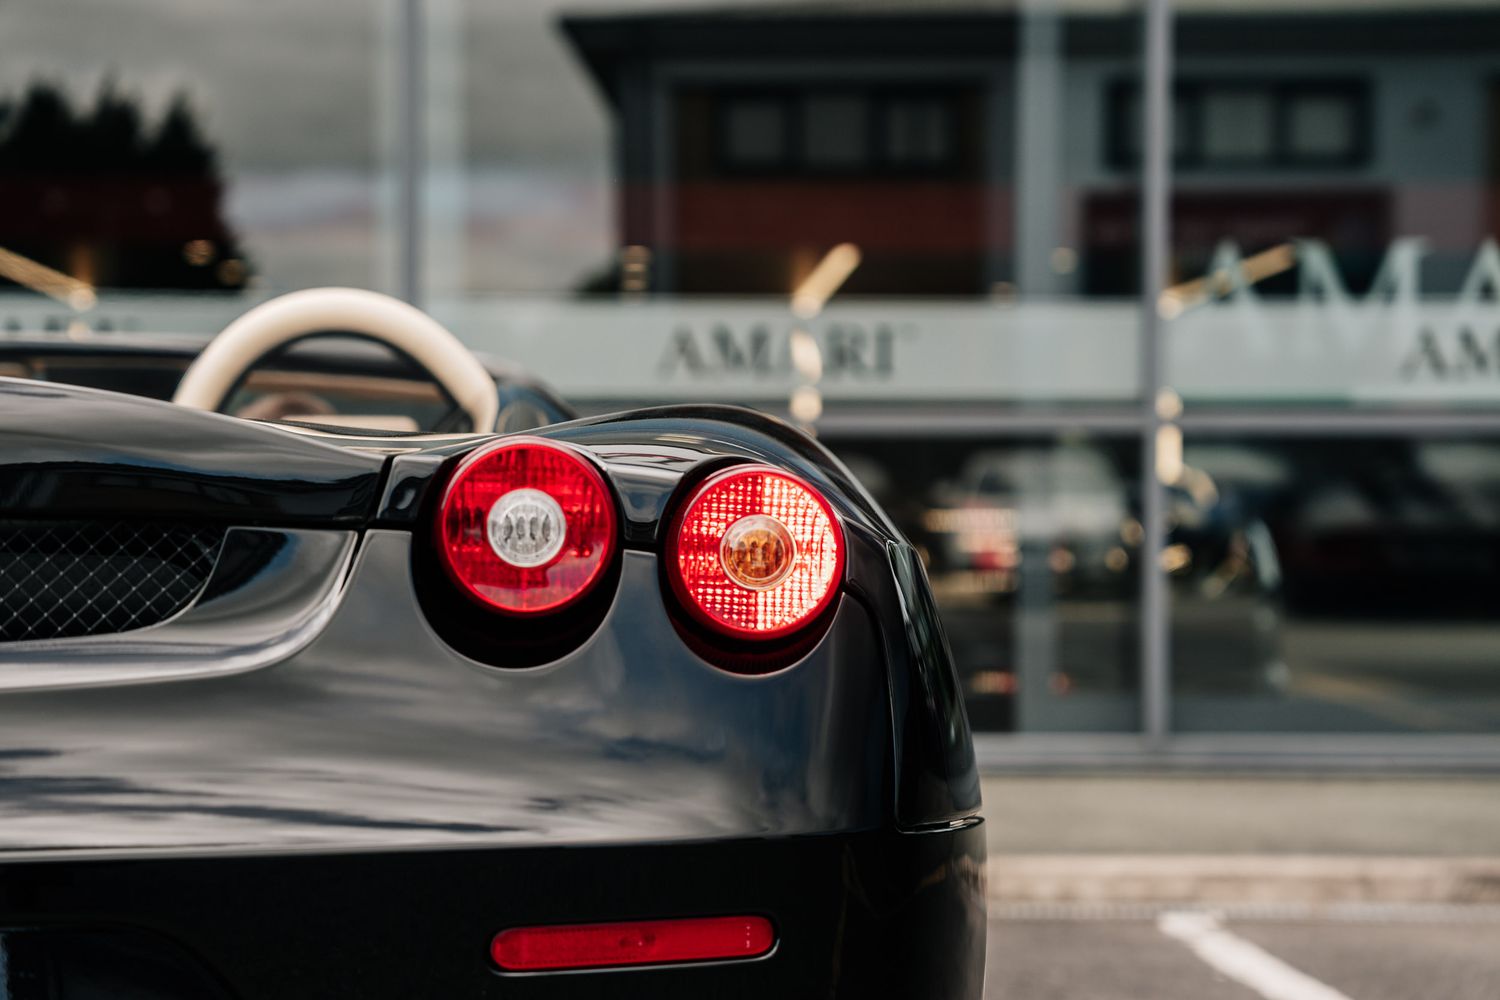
<point>70,578</point>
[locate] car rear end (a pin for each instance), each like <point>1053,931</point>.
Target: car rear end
<point>281,724</point>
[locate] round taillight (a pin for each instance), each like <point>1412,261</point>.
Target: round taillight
<point>526,526</point>
<point>755,553</point>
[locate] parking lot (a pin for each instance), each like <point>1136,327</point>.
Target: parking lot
<point>1092,952</point>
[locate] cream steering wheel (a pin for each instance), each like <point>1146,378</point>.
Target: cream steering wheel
<point>209,380</point>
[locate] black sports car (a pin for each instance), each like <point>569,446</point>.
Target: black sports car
<point>654,704</point>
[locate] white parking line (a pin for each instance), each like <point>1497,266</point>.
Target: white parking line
<point>1238,913</point>
<point>1240,960</point>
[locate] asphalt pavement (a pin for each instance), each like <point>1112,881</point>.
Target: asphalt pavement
<point>1182,953</point>
<point>1237,887</point>
<point>1243,814</point>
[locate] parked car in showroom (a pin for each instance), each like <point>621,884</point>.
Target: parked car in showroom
<point>1029,523</point>
<point>383,697</point>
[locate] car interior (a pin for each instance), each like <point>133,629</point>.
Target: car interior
<point>331,358</point>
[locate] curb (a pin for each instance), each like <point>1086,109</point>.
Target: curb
<point>1242,879</point>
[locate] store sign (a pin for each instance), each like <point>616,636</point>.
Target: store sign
<point>1394,343</point>
<point>716,349</point>
<point>748,350</point>
<point>1463,343</point>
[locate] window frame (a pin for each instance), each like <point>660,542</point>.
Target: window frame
<point>876,164</point>
<point>1188,103</point>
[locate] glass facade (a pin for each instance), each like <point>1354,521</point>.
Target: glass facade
<point>1335,245</point>
<point>1375,559</point>
<point>1032,546</point>
<point>1219,462</point>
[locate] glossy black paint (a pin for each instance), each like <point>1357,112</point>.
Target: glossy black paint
<point>937,775</point>
<point>379,734</point>
<point>622,774</point>
<point>271,592</point>
<point>70,452</point>
<point>878,914</point>
<point>45,963</point>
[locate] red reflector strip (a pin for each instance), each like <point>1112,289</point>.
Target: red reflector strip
<point>636,942</point>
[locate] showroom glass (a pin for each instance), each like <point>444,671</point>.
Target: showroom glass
<point>1358,577</point>
<point>177,161</point>
<point>1032,549</point>
<point>1334,247</point>
<point>1334,207</point>
<point>924,221</point>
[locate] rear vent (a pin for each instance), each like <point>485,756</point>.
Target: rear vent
<point>61,579</point>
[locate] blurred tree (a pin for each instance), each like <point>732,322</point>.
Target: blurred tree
<point>179,145</point>
<point>97,194</point>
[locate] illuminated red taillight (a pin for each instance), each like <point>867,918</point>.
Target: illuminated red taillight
<point>637,942</point>
<point>526,525</point>
<point>755,553</point>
